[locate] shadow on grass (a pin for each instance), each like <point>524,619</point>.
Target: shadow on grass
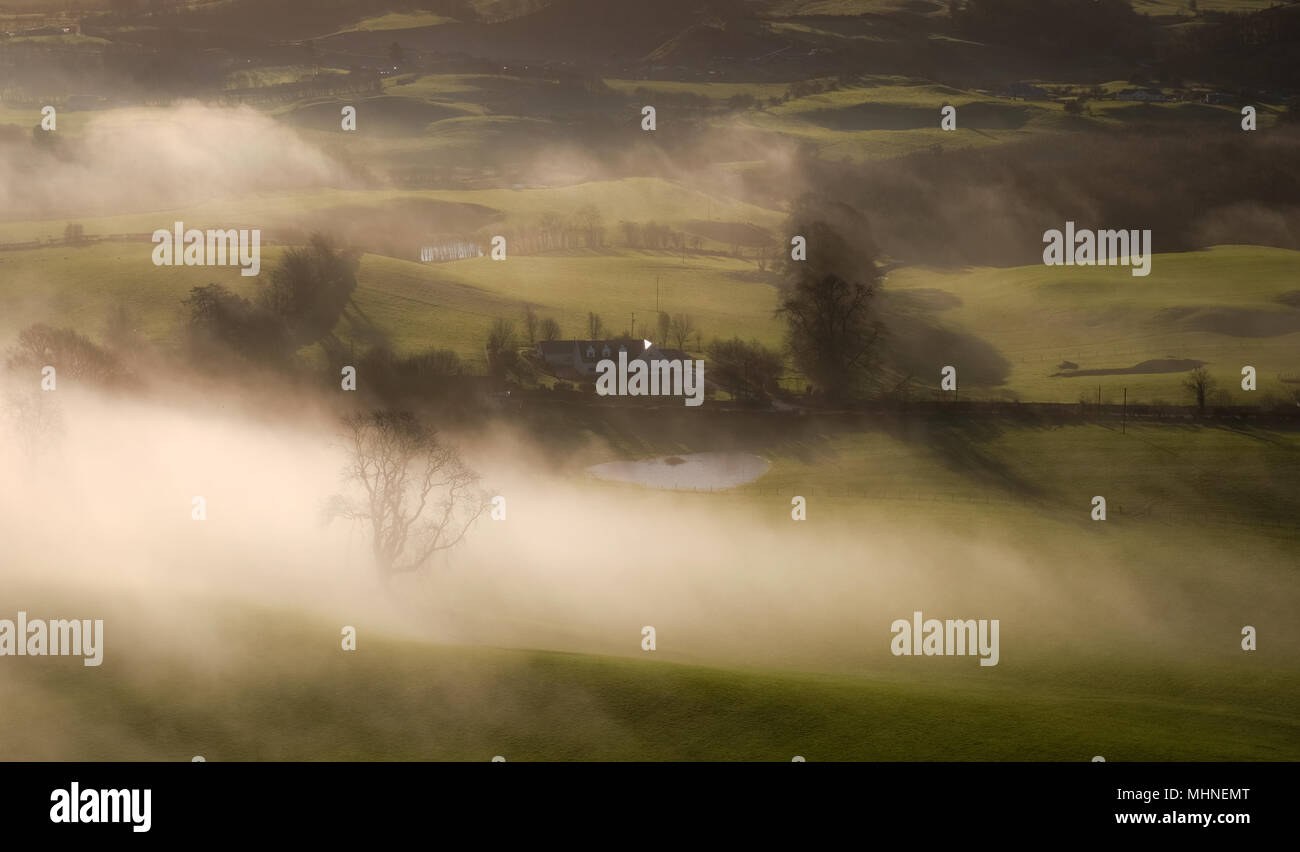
<point>967,446</point>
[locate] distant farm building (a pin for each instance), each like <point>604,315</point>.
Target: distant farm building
<point>577,359</point>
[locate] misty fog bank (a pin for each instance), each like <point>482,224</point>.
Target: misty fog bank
<point>102,510</point>
<point>145,159</point>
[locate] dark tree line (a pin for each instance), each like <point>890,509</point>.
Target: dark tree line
<point>301,304</point>
<point>744,370</point>
<point>72,354</point>
<point>552,231</point>
<point>653,235</point>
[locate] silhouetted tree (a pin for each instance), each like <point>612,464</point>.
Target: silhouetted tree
<point>683,326</point>
<point>71,354</point>
<point>744,369</point>
<point>1200,384</point>
<point>416,494</point>
<point>827,303</point>
<point>502,349</point>
<point>591,221</point>
<point>310,287</point>
<point>222,320</point>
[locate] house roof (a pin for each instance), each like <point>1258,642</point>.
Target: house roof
<point>555,347</point>
<point>635,350</point>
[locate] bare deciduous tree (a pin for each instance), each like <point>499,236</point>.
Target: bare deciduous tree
<point>665,328</point>
<point>35,420</point>
<point>550,329</point>
<point>1200,384</point>
<point>592,223</point>
<point>683,326</point>
<point>502,350</point>
<point>72,354</point>
<point>416,493</point>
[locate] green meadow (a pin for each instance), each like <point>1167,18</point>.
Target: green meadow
<point>1229,306</point>
<point>406,701</point>
<point>1226,307</point>
<point>632,199</point>
<point>423,119</point>
<point>280,689</point>
<point>1121,636</point>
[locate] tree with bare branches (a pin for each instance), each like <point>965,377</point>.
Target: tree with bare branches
<point>550,329</point>
<point>35,420</point>
<point>592,223</point>
<point>833,321</point>
<point>73,354</point>
<point>415,492</point>
<point>681,326</point>
<point>1200,384</point>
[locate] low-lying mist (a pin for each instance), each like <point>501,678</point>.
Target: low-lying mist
<point>97,510</point>
<point>144,159</point>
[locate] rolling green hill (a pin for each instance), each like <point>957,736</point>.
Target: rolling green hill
<point>1061,331</point>
<point>401,701</point>
<point>1228,307</point>
<point>633,199</point>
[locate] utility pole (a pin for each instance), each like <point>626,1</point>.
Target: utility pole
<point>656,294</point>
<point>634,325</point>
<point>1123,422</point>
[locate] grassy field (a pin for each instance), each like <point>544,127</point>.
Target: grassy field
<point>1120,638</point>
<point>472,119</point>
<point>632,199</point>
<point>1221,306</point>
<point>417,306</point>
<point>273,75</point>
<point>893,116</point>
<point>1179,7</point>
<point>275,686</point>
<point>400,701</point>
<point>881,124</point>
<point>1225,307</point>
<point>1151,475</point>
<point>398,21</point>
<point>1156,477</point>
